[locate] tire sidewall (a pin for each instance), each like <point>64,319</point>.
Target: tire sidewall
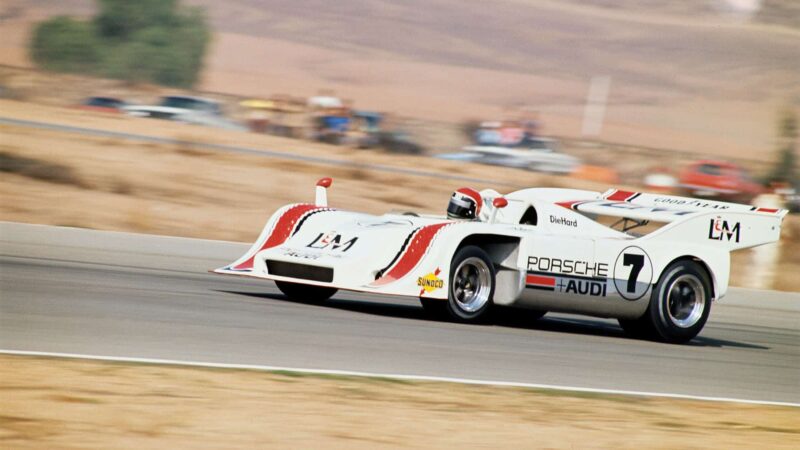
<point>663,326</point>
<point>452,305</point>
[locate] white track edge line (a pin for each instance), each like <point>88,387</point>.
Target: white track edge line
<point>266,368</point>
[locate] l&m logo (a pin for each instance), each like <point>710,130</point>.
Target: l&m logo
<point>333,241</point>
<point>720,229</point>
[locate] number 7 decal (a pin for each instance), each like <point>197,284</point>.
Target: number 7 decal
<point>633,273</point>
<point>637,261</point>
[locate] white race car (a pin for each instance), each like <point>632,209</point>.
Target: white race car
<point>541,249</point>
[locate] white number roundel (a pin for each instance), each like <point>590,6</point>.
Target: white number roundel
<point>633,273</point>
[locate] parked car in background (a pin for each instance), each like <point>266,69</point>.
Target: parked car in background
<point>175,107</point>
<point>398,141</point>
<point>532,153</point>
<point>103,104</point>
<point>366,128</point>
<point>719,179</point>
<point>187,109</point>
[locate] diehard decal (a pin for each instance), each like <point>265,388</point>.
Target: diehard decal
<point>719,230</point>
<point>563,221</point>
<point>430,282</point>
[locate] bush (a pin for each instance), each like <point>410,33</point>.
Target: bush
<point>65,45</point>
<point>140,41</point>
<point>38,169</point>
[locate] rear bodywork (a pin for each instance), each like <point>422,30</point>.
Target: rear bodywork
<point>548,251</point>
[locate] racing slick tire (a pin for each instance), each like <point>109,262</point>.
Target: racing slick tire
<point>680,303</point>
<point>305,292</point>
<point>472,281</point>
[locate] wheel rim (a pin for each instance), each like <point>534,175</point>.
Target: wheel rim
<point>686,300</point>
<point>472,284</point>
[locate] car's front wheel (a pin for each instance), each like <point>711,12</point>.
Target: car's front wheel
<point>305,292</point>
<point>472,279</point>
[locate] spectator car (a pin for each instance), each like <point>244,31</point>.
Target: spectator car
<point>721,179</point>
<point>103,104</point>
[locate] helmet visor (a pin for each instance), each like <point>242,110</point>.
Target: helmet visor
<point>460,209</point>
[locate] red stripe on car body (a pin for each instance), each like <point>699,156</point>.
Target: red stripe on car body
<point>412,255</point>
<point>571,204</point>
<point>540,280</point>
<point>281,231</point>
<point>620,196</point>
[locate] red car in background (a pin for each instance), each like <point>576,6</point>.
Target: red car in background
<point>719,179</point>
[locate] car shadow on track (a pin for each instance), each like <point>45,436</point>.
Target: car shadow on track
<point>508,318</point>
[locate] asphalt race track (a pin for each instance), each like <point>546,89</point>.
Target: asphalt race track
<point>117,294</point>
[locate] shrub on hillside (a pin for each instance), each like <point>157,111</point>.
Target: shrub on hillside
<point>143,41</point>
<point>63,44</point>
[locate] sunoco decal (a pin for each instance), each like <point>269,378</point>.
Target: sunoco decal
<point>430,282</point>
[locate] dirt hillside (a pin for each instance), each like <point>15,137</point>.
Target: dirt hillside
<point>697,82</point>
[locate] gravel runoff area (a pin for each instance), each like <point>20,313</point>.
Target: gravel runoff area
<point>58,403</point>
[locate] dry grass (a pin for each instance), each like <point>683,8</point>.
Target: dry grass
<point>38,169</point>
<point>52,403</point>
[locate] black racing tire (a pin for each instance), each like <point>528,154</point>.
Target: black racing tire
<point>434,308</point>
<point>305,292</point>
<point>472,283</point>
<point>680,302</point>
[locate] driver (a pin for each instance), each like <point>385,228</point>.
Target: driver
<point>465,203</point>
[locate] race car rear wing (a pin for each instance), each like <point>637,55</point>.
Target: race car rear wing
<point>731,231</point>
<point>661,208</point>
<point>731,225</point>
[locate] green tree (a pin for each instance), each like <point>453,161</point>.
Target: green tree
<point>786,166</point>
<point>140,41</point>
<point>119,19</point>
<point>65,45</point>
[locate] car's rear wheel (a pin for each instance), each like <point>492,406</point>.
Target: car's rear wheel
<point>679,305</point>
<point>305,292</point>
<point>472,279</point>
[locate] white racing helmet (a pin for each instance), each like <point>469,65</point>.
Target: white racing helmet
<point>465,203</point>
